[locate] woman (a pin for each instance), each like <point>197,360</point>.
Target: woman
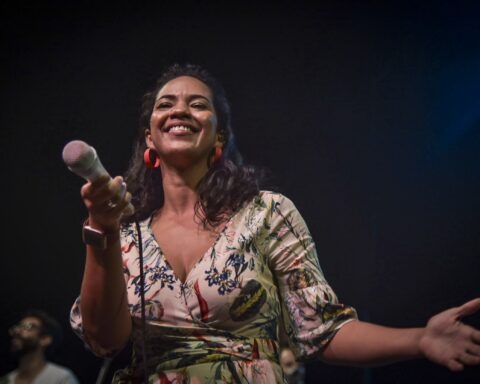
<point>221,262</point>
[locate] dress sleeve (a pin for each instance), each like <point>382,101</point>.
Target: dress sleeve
<point>77,327</point>
<point>311,311</point>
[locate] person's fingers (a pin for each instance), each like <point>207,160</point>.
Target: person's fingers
<point>108,195</point>
<point>117,189</point>
<point>105,179</point>
<point>454,365</point>
<point>475,335</point>
<point>103,199</point>
<point>474,349</point>
<point>91,190</point>
<point>468,359</point>
<point>92,197</point>
<point>121,204</point>
<point>115,197</point>
<point>469,308</point>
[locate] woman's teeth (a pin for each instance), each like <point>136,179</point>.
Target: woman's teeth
<point>180,128</point>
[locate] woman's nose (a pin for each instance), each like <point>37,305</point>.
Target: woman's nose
<point>179,110</point>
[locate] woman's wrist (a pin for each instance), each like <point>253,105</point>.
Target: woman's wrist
<point>100,237</point>
<point>107,229</point>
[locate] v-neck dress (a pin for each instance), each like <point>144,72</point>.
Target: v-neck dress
<point>221,325</point>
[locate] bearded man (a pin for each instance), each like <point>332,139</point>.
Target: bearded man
<point>33,339</point>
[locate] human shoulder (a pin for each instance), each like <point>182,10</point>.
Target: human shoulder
<point>53,367</point>
<point>275,199</point>
<point>9,378</point>
<point>281,210</point>
<point>266,194</point>
<point>267,206</point>
<point>56,373</point>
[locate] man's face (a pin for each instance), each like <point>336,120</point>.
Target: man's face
<point>26,336</point>
<point>288,362</point>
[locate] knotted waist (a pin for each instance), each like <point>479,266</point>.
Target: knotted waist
<point>178,349</point>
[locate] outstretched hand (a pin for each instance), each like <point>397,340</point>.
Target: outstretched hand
<point>448,341</point>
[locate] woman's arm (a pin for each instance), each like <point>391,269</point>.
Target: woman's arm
<point>312,312</point>
<point>445,340</point>
<point>103,297</point>
<point>364,344</point>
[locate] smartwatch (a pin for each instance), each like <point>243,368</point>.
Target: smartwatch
<point>97,238</point>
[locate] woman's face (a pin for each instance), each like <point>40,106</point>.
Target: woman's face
<point>183,124</point>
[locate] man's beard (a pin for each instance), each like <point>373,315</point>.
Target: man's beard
<point>22,346</point>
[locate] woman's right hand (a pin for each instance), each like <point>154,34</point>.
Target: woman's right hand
<point>103,202</point>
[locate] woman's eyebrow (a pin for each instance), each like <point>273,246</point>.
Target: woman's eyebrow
<point>190,97</point>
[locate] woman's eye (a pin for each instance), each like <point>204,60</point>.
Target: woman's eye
<point>199,106</point>
<point>163,105</point>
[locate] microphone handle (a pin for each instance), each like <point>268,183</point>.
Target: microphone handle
<point>92,173</point>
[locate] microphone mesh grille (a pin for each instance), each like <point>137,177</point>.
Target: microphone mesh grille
<point>78,154</point>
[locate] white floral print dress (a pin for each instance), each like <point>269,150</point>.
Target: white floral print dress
<point>221,325</point>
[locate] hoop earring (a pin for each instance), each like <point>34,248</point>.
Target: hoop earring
<point>217,154</point>
<point>151,159</point>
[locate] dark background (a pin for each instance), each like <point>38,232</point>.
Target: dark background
<point>366,112</point>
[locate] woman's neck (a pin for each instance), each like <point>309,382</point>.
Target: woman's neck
<point>180,189</point>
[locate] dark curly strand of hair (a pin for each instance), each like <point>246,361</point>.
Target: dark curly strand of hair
<point>228,183</point>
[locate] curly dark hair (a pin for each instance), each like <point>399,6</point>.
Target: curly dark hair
<point>228,183</point>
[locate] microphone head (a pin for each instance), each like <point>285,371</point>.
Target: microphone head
<point>78,155</point>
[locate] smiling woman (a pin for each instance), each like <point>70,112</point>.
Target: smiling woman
<point>200,276</point>
<point>183,121</point>
<point>227,183</point>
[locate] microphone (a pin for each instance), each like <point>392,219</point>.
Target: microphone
<point>82,159</point>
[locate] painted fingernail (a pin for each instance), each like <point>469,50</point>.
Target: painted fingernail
<point>123,189</point>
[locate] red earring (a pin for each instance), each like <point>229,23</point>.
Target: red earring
<point>217,155</point>
<point>150,155</point>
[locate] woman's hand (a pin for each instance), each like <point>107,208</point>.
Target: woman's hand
<point>101,198</point>
<point>448,341</point>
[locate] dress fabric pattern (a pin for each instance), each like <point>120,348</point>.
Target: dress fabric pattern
<point>221,324</point>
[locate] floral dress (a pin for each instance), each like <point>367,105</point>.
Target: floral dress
<point>221,325</point>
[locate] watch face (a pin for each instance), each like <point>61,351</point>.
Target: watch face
<point>94,237</point>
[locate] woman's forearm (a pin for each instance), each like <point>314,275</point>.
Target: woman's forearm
<point>105,315</point>
<point>364,344</point>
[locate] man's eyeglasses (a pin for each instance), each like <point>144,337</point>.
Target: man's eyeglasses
<point>24,327</point>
